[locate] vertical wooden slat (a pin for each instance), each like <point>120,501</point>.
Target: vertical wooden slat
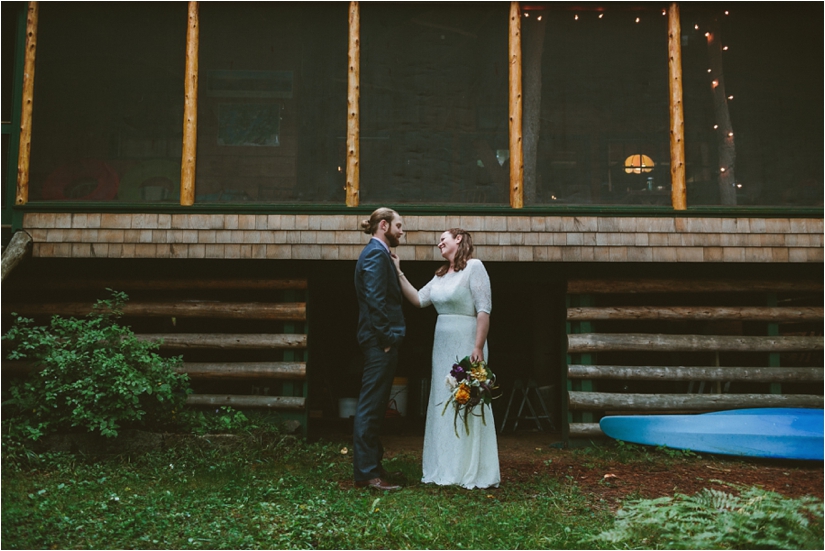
<point>190,110</point>
<point>678,192</point>
<point>25,145</point>
<point>353,98</point>
<point>516,152</point>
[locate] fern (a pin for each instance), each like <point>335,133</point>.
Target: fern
<point>711,519</point>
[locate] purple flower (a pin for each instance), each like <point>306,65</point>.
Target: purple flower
<point>458,373</point>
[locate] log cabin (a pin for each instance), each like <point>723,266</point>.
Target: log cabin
<point>644,183</point>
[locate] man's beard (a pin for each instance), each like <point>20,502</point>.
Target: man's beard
<point>394,242</point>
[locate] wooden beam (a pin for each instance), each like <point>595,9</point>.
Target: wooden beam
<point>292,311</point>
<point>225,341</point>
<point>516,152</point>
<point>190,109</point>
<point>25,145</point>
<point>604,401</point>
<point>681,373</point>
<point>353,106</point>
<point>15,252</point>
<point>634,286</point>
<point>168,284</point>
<point>779,314</point>
<point>585,343</point>
<point>288,403</point>
<point>678,192</point>
<point>245,370</point>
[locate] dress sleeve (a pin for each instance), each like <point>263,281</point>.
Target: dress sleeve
<point>424,294</point>
<point>480,287</point>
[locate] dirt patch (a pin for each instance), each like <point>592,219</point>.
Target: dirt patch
<point>647,474</point>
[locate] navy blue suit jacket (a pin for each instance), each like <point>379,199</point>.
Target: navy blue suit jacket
<point>380,319</point>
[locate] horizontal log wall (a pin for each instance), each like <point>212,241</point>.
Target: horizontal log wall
<point>607,401</point>
<point>584,345</point>
<point>275,302</point>
<point>685,313</point>
<point>667,373</point>
<point>533,238</point>
<point>188,309</point>
<point>593,342</point>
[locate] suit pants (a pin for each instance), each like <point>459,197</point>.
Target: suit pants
<point>376,385</point>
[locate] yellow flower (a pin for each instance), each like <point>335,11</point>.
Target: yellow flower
<point>462,395</point>
<point>478,373</point>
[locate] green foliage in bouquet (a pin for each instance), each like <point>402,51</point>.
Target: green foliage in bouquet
<point>471,384</point>
<point>91,374</point>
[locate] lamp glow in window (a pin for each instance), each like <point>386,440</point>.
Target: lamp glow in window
<point>638,164</point>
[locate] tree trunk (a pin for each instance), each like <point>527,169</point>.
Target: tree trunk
<point>533,31</point>
<point>724,130</point>
<point>15,252</point>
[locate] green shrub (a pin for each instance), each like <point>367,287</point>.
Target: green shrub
<point>91,374</point>
<point>711,519</point>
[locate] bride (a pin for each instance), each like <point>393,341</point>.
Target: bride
<point>460,292</point>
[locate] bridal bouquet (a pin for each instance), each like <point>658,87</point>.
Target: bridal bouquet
<point>470,384</point>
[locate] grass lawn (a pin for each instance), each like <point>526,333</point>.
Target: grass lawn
<point>279,493</point>
<point>283,495</point>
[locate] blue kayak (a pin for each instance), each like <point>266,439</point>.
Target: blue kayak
<point>777,433</point>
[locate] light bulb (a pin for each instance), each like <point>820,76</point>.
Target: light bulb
<point>722,169</point>
<point>601,15</point>
<point>538,18</point>
<point>730,97</point>
<point>576,17</point>
<point>637,20</point>
<point>725,48</point>
<point>730,134</point>
<point>696,27</point>
<point>715,126</point>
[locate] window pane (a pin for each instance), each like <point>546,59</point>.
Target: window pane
<point>762,143</point>
<point>434,103</point>
<point>596,118</point>
<point>272,102</point>
<point>108,104</point>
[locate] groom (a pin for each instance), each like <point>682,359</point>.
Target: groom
<point>380,332</point>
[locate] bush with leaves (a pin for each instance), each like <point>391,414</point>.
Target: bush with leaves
<point>711,519</point>
<point>91,374</point>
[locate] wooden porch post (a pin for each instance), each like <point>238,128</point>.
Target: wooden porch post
<point>678,193</point>
<point>190,110</point>
<point>25,146</point>
<point>516,152</point>
<point>353,113</point>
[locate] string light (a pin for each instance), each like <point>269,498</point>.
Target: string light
<point>722,169</point>
<point>526,14</point>
<point>576,17</point>
<point>715,126</point>
<point>601,15</point>
<point>707,35</point>
<point>637,20</point>
<point>696,27</point>
<point>709,70</point>
<point>538,18</point>
<point>725,48</point>
<point>664,12</point>
<point>727,12</point>
<point>715,83</point>
<point>730,97</point>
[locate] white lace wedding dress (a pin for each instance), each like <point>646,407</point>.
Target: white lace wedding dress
<point>468,461</point>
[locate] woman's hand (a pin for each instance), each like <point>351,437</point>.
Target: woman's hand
<point>477,355</point>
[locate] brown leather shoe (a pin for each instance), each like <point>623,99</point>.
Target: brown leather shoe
<point>376,483</point>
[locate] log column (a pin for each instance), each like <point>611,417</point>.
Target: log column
<point>190,110</point>
<point>678,192</point>
<point>24,151</point>
<point>516,152</point>
<point>353,98</point>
